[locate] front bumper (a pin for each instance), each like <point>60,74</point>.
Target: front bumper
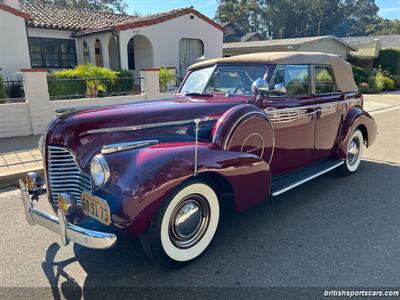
<point>67,231</point>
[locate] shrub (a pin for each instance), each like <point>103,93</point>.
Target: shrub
<point>85,79</point>
<point>3,94</point>
<point>389,83</point>
<point>377,82</point>
<point>364,88</point>
<point>396,79</point>
<point>389,59</point>
<point>360,74</point>
<point>167,79</point>
<point>124,85</point>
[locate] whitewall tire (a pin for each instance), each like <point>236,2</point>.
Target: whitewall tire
<point>184,226</point>
<point>355,148</point>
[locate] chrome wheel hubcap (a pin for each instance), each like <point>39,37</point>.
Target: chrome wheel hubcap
<point>353,151</point>
<point>189,221</point>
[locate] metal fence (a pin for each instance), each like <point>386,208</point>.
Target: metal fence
<point>72,88</point>
<point>170,83</point>
<point>12,91</point>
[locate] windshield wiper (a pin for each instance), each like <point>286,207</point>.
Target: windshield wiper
<point>199,94</point>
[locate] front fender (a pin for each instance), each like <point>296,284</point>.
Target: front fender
<point>356,118</point>
<point>142,179</point>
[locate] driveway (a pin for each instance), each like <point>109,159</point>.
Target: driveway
<point>330,232</point>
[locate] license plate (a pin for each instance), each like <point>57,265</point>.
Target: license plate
<point>96,208</point>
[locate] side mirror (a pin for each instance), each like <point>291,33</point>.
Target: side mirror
<point>259,85</point>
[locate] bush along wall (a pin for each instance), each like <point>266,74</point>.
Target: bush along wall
<point>91,81</point>
<point>389,60</point>
<point>375,81</point>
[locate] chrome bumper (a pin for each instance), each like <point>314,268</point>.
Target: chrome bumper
<point>67,232</point>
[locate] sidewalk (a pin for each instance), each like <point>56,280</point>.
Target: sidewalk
<point>20,155</point>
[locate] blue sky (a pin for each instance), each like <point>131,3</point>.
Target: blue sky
<point>388,8</point>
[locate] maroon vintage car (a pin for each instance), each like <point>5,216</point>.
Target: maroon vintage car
<point>240,130</point>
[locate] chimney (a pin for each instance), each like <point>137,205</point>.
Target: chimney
<point>12,3</point>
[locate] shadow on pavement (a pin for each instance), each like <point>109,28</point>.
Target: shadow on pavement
<point>333,231</point>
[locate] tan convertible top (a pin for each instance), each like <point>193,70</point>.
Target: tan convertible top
<point>342,69</point>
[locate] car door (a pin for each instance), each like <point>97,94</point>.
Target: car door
<point>291,110</point>
<point>330,109</point>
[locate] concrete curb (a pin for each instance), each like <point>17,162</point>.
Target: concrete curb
<point>12,178</point>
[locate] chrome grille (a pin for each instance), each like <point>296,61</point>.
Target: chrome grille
<point>64,174</point>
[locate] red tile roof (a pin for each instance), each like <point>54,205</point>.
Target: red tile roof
<point>162,17</point>
<point>84,21</point>
<point>56,17</point>
<point>14,11</point>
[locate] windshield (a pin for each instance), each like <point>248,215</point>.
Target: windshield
<point>228,79</point>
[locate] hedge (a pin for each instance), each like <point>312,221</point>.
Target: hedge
<point>91,81</point>
<point>389,59</point>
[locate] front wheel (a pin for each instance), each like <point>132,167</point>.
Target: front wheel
<point>355,149</point>
<point>184,226</point>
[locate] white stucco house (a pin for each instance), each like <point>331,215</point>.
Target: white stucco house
<point>35,35</point>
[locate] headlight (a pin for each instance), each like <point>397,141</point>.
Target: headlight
<point>99,170</point>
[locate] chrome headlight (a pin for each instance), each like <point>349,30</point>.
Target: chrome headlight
<point>99,170</point>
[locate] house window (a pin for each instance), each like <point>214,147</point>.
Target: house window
<point>98,53</point>
<point>131,55</point>
<point>86,53</point>
<point>52,53</point>
<point>189,51</point>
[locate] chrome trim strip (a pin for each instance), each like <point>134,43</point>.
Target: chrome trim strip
<point>146,126</point>
<point>59,225</point>
<point>269,110</point>
<point>107,149</point>
<point>307,179</point>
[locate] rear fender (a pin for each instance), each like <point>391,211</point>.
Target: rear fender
<point>356,118</point>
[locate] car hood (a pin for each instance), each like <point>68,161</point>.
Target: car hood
<point>86,131</point>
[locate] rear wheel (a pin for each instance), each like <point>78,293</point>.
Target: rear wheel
<point>184,226</point>
<point>355,149</point>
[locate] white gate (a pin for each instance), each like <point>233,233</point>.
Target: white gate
<point>189,51</point>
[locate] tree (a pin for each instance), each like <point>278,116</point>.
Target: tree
<point>296,18</point>
<point>114,6</point>
<point>386,26</point>
<point>247,15</point>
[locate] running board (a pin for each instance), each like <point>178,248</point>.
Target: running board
<point>287,182</point>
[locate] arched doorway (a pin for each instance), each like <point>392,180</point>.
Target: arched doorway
<point>113,52</point>
<point>140,53</point>
<point>86,53</point>
<point>98,51</point>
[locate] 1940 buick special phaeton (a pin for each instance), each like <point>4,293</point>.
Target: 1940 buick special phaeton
<point>240,129</point>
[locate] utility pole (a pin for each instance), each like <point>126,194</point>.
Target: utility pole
<point>319,27</point>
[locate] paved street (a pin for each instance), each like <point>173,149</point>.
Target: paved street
<point>332,231</point>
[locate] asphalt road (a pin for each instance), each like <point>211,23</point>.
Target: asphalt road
<point>332,231</point>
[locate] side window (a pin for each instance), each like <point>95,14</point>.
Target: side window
<point>324,80</point>
<point>277,84</point>
<point>290,81</point>
<point>297,81</point>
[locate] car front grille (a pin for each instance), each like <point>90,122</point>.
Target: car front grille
<point>64,175</point>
